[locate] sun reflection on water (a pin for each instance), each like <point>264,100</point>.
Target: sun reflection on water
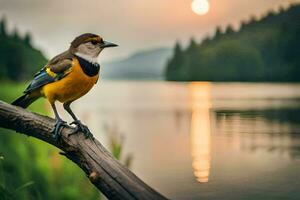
<point>200,131</point>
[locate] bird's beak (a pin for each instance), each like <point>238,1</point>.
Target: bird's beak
<point>106,44</point>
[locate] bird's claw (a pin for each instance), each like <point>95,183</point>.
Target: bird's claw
<point>81,128</point>
<point>56,131</point>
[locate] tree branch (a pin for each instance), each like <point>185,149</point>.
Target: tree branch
<point>106,173</point>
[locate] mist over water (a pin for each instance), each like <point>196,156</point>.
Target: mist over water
<point>203,140</point>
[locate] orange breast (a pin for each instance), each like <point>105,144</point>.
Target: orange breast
<point>71,87</point>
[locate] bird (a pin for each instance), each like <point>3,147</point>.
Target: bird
<point>67,77</point>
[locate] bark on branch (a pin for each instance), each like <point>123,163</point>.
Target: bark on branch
<point>106,173</point>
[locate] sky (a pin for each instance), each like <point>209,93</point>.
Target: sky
<point>133,24</point>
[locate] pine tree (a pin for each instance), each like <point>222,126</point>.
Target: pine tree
<point>192,45</point>
<point>16,35</point>
<point>229,30</point>
<point>174,65</point>
<point>27,38</point>
<point>218,32</point>
<point>3,31</point>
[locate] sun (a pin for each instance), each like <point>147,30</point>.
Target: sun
<point>200,7</point>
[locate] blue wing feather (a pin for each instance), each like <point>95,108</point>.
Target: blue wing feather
<point>40,79</point>
<point>55,70</point>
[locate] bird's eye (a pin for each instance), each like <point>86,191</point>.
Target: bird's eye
<point>94,42</point>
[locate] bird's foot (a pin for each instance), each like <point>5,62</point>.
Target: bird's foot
<point>56,131</point>
<point>81,128</point>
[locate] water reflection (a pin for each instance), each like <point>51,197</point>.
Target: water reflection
<point>200,131</point>
<point>275,131</point>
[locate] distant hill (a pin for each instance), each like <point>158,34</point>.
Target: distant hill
<point>19,60</point>
<point>143,65</point>
<point>262,50</point>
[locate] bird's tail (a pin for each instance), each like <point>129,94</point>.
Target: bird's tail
<point>25,100</point>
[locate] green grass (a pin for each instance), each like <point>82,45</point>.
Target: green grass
<point>9,91</point>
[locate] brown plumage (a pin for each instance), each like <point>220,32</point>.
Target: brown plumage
<point>84,38</point>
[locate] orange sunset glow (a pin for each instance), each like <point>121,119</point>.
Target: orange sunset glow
<point>142,24</point>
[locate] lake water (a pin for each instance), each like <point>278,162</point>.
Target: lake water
<point>203,140</point>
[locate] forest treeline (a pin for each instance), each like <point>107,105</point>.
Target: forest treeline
<point>261,50</point>
<point>19,60</point>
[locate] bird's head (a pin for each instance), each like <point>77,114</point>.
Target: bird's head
<point>89,46</point>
